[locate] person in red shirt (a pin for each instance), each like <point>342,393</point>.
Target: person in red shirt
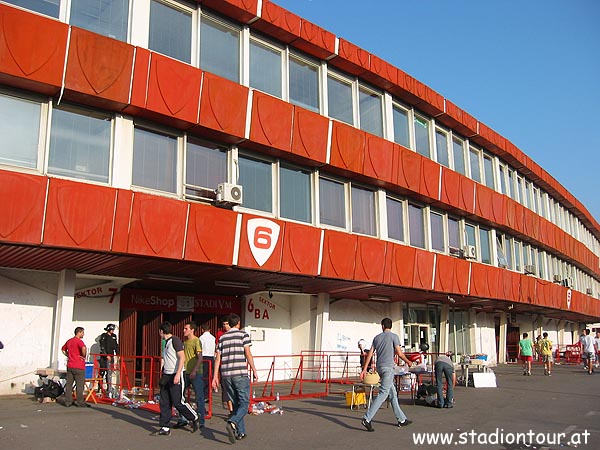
<point>75,351</point>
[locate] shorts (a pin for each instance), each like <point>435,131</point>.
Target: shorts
<point>526,358</point>
<point>547,358</point>
<point>590,355</point>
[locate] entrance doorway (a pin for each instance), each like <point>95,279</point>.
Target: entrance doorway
<point>512,343</point>
<point>416,334</point>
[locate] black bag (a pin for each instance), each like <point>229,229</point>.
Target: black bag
<point>50,389</point>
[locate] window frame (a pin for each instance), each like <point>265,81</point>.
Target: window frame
<point>351,82</point>
<point>293,54</point>
<point>254,37</point>
<point>247,154</point>
<point>364,88</point>
<point>346,194</point>
<point>228,25</point>
<point>194,29</point>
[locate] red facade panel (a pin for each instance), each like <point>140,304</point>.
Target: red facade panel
<point>423,273</point>
<point>465,123</point>
<point>450,187</point>
<point>315,40</point>
<point>510,285</point>
<point>139,85</point>
<point>278,23</point>
<point>430,179</point>
<point>466,195</point>
<point>157,226</point>
<point>401,265</point>
<point>339,255</point>
<point>410,170</point>
<point>498,208</point>
<point>379,157</point>
<point>483,202</point>
<point>223,106</point>
<point>240,10</point>
<point>480,286</point>
<point>210,234</point>
<point>301,247</point>
<point>98,68</point>
<point>310,135</point>
<point>261,243</point>
<point>352,59</point>
<point>347,147</point>
<point>22,201</point>
<point>370,260</point>
<point>122,219</point>
<point>271,121</point>
<point>79,215</point>
<point>24,61</point>
<point>382,73</point>
<point>527,294</point>
<point>433,103</point>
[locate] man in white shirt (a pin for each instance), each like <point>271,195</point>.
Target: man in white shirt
<point>587,348</point>
<point>597,345</point>
<point>208,342</point>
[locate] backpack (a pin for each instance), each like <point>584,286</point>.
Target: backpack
<point>50,389</point>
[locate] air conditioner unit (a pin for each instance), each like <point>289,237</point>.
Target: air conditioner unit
<point>568,282</point>
<point>557,278</point>
<point>589,291</point>
<point>455,251</point>
<point>469,252</point>
<point>529,269</point>
<point>229,193</point>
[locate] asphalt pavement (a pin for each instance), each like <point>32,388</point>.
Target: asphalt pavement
<point>536,412</point>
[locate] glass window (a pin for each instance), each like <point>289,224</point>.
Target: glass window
<point>154,160</point>
<point>170,31</point>
<point>20,131</point>
<point>470,234</point>
<point>304,83</point>
<point>265,68</point>
<point>441,147</point>
<point>363,211</point>
<point>401,130</point>
<point>205,168</point>
<point>395,219</point>
<point>339,95</point>
<point>422,136</point>
<point>502,179</point>
<point>220,49</point>
<point>459,156</point>
<point>488,168</point>
<point>484,245</point>
<point>518,189</point>
<point>332,203</point>
<point>518,256</point>
<point>294,192</point>
<point>416,226</point>
<point>474,162</point>
<point>256,178</point>
<point>105,17</point>
<point>502,262</point>
<point>437,232</point>
<point>79,145</point>
<point>526,194</point>
<point>510,252</point>
<point>371,115</point>
<point>47,7</point>
<point>510,186</point>
<point>453,232</point>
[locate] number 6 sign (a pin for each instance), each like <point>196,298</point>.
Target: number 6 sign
<point>263,235</point>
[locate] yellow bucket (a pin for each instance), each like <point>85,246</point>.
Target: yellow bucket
<point>360,398</point>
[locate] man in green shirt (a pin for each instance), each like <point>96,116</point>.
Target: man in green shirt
<point>526,353</point>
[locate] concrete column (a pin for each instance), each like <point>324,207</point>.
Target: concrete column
<point>444,331</point>
<point>63,317</point>
<point>502,339</point>
<point>396,314</point>
<point>321,320</point>
<point>474,332</point>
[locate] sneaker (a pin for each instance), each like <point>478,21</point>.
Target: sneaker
<point>179,425</point>
<point>405,423</point>
<point>241,436</point>
<point>231,431</point>
<point>367,425</point>
<point>549,374</point>
<point>195,425</point>
<point>528,374</point>
<point>162,432</point>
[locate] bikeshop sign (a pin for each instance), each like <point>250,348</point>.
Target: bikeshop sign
<point>143,300</point>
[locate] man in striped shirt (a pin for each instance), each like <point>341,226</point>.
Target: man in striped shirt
<point>233,356</point>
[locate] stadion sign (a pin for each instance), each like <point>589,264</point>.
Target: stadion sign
<point>142,300</point>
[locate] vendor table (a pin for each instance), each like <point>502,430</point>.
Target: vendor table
<point>478,364</point>
<point>362,387</point>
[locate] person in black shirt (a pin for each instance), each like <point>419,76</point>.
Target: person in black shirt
<point>109,347</point>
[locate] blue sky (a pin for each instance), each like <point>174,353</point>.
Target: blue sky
<point>530,70</point>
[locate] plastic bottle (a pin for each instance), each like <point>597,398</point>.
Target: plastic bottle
<point>277,397</point>
<point>253,394</point>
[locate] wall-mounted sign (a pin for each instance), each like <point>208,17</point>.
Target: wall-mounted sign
<point>263,235</point>
<point>143,300</point>
<point>569,296</point>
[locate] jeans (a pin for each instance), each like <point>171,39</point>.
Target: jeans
<point>386,391</point>
<point>443,370</point>
<point>238,390</point>
<point>197,384</point>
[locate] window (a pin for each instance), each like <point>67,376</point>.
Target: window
<point>502,170</point>
<point>510,186</point>
<point>519,189</point>
<point>501,250</point>
<point>422,136</point>
<point>510,252</point>
<point>20,131</point>
<point>395,218</point>
<point>294,194</point>
<point>437,232</point>
<point>47,7</point>
<point>205,168</point>
<point>484,245</point>
<point>441,147</point>
<point>154,160</point>
<point>363,211</point>
<point>416,225</point>
<point>371,114</point>
<point>488,171</point>
<point>474,164</point>
<point>170,31</point>
<point>458,152</point>
<point>470,235</point>
<point>518,256</point>
<point>339,95</point>
<point>266,68</point>
<point>79,144</point>
<point>526,194</point>
<point>401,124</point>
<point>256,177</point>
<point>304,83</point>
<point>332,203</point>
<point>453,232</point>
<point>220,48</point>
<point>105,17</point>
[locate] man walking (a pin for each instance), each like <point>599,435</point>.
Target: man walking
<point>233,355</point>
<point>546,348</point>
<point>208,342</point>
<point>192,349</point>
<point>385,344</point>
<point>76,351</point>
<point>525,353</point>
<point>172,382</point>
<point>444,368</point>
<point>109,347</point>
<point>587,349</point>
